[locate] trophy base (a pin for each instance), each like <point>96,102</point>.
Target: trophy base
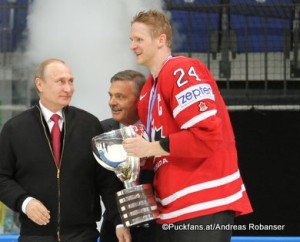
<point>137,205</point>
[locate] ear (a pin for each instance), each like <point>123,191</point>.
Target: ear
<point>38,83</point>
<point>162,39</point>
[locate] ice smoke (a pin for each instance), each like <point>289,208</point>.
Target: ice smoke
<point>92,37</point>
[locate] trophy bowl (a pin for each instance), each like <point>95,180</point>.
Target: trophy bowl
<point>109,152</point>
<point>136,203</point>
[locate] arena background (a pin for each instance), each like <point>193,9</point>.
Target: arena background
<point>251,47</point>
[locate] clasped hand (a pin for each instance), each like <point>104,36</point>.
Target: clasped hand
<point>137,146</point>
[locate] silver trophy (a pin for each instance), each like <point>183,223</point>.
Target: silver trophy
<point>136,203</point>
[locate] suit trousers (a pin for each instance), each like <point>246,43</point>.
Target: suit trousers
<point>141,233</point>
<point>87,235</point>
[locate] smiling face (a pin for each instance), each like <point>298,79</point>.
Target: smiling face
<point>151,39</point>
<point>55,86</point>
<point>143,44</point>
<point>123,101</point>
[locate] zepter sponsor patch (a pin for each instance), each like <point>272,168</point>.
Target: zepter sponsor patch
<point>192,95</point>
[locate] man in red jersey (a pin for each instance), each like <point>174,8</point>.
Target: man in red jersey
<point>197,181</point>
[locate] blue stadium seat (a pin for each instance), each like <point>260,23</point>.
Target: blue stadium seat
<point>20,22</point>
<point>12,23</point>
<point>194,2</point>
<point>195,30</point>
<point>9,237</point>
<point>260,27</point>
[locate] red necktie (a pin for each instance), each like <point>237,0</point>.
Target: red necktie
<point>55,134</point>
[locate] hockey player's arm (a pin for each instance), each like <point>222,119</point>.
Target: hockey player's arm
<point>140,147</point>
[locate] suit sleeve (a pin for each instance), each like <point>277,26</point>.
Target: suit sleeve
<point>109,185</point>
<point>11,193</point>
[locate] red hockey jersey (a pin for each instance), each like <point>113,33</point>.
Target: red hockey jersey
<point>201,174</point>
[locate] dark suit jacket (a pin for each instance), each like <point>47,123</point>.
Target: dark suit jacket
<point>28,169</point>
<point>109,125</point>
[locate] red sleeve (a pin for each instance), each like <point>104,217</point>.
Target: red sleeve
<point>194,104</point>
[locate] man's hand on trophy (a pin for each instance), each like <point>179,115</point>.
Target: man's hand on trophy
<point>136,146</point>
<point>123,234</point>
<point>139,147</point>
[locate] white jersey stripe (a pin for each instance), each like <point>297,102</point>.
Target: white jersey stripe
<point>199,118</point>
<point>204,205</point>
<point>200,187</point>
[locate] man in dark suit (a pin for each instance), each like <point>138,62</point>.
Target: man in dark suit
<point>55,184</point>
<point>124,93</point>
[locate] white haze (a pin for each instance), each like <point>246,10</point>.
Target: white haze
<point>92,37</point>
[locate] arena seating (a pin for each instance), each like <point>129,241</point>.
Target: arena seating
<point>198,27</point>
<point>260,27</point>
<point>13,17</point>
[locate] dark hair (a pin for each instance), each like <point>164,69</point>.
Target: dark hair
<point>131,75</point>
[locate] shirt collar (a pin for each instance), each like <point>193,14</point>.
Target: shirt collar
<point>122,125</point>
<point>47,113</point>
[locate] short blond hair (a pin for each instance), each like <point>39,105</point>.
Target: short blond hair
<point>157,21</point>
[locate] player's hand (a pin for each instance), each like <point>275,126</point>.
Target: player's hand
<point>123,234</point>
<point>137,146</point>
<point>37,212</point>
